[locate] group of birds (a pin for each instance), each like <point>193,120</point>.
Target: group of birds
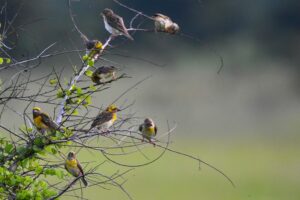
<point>114,24</point>
<point>101,123</point>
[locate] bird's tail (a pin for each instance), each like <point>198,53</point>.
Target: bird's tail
<point>129,36</point>
<point>84,181</point>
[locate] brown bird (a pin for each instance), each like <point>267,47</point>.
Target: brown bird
<point>114,24</point>
<point>105,119</point>
<point>103,72</point>
<point>164,23</point>
<point>73,166</point>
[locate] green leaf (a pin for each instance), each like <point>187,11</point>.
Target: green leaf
<point>8,60</point>
<point>91,63</point>
<point>1,61</point>
<point>53,150</point>
<point>92,87</point>
<point>53,81</point>
<point>8,148</point>
<point>85,57</point>
<point>75,112</point>
<point>89,73</point>
<point>78,90</point>
<point>60,93</point>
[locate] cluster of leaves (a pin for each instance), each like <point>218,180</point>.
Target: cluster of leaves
<point>21,168</point>
<point>4,60</point>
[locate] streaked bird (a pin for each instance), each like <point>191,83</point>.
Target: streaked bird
<point>105,119</point>
<point>43,122</point>
<point>114,24</point>
<point>164,23</point>
<point>73,166</point>
<point>103,72</point>
<point>148,130</point>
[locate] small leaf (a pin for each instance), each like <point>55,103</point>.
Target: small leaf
<point>8,148</point>
<point>8,60</point>
<point>88,73</point>
<point>85,57</point>
<point>92,88</point>
<point>91,63</point>
<point>1,61</point>
<point>53,81</point>
<point>79,90</point>
<point>60,93</point>
<point>75,112</point>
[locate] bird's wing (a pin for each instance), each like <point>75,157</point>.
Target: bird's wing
<point>80,168</point>
<point>48,121</point>
<point>117,22</point>
<point>102,118</point>
<point>155,129</point>
<point>141,128</point>
<point>65,165</point>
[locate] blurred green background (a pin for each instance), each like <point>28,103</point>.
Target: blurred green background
<point>244,120</point>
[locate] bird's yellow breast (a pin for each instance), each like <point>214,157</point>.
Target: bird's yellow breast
<point>71,163</point>
<point>39,122</point>
<point>149,131</point>
<point>114,117</point>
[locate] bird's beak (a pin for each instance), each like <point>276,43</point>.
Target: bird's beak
<point>118,109</point>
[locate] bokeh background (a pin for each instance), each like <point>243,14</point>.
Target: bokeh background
<point>244,120</point>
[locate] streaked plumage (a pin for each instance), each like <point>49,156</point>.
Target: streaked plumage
<point>42,121</point>
<point>103,73</point>
<point>114,24</point>
<point>105,119</point>
<point>73,166</point>
<point>164,23</point>
<point>148,130</point>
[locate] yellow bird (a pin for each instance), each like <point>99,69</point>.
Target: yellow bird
<point>106,119</point>
<point>43,122</point>
<point>148,130</point>
<point>73,166</point>
<point>93,47</point>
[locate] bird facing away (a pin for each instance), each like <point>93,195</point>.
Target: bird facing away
<point>43,122</point>
<point>164,23</point>
<point>93,47</point>
<point>73,166</point>
<point>103,73</point>
<point>148,130</point>
<point>114,24</point>
<point>106,118</point>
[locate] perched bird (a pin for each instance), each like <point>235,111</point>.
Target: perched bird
<point>73,166</point>
<point>114,24</point>
<point>93,47</point>
<point>164,23</point>
<point>103,73</point>
<point>43,122</point>
<point>105,119</point>
<point>148,130</point>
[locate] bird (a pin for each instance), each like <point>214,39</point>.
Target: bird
<point>105,119</point>
<point>148,130</point>
<point>43,122</point>
<point>114,24</point>
<point>164,23</point>
<point>73,166</point>
<point>103,72</point>
<point>93,48</point>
